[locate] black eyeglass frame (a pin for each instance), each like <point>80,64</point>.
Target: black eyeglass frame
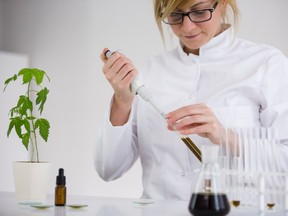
<point>211,10</point>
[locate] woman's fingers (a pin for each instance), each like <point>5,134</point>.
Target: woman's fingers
<point>195,119</point>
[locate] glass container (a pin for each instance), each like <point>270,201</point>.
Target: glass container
<point>209,197</point>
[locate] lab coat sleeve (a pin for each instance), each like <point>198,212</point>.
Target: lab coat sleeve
<point>274,111</point>
<point>115,150</point>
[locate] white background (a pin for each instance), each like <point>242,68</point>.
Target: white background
<point>65,38</point>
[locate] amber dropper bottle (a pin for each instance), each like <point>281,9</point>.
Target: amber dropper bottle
<point>60,189</point>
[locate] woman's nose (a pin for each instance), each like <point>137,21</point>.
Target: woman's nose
<point>187,24</point>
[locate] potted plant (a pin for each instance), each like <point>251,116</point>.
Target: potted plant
<point>25,119</point>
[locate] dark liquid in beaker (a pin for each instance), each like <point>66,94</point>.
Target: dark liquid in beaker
<point>202,204</point>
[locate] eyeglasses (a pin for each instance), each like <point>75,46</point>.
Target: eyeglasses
<point>196,16</point>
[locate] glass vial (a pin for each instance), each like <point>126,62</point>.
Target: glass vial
<point>208,197</point>
<point>60,189</point>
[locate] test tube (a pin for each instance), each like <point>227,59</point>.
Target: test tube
<point>189,143</point>
<point>261,193</point>
<point>286,192</point>
<point>138,88</point>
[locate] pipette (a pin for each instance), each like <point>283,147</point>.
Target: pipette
<point>138,88</point>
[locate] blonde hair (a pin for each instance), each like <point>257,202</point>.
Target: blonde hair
<point>163,8</point>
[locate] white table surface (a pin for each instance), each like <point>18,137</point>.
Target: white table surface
<point>104,206</point>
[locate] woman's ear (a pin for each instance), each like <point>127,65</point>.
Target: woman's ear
<point>223,4</point>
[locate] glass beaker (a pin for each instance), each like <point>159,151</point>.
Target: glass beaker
<point>209,197</point>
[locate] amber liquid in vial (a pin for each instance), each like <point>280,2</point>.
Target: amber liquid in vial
<point>270,205</point>
<point>236,203</point>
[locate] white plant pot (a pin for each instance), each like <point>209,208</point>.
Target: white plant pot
<point>31,180</point>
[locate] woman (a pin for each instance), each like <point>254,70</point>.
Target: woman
<point>210,81</point>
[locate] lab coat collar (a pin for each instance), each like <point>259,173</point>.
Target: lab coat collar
<point>216,46</point>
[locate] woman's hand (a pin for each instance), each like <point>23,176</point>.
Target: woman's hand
<point>120,72</point>
<point>195,119</point>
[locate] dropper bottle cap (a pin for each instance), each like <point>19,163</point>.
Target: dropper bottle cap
<point>61,179</point>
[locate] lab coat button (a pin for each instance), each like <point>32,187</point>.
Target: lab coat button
<point>183,173</point>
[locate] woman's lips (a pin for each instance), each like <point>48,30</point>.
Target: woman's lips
<point>189,37</point>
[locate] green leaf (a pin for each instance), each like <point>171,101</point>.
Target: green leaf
<point>26,124</point>
<point>41,98</point>
<point>14,111</point>
<point>30,118</point>
<point>44,127</point>
<point>18,124</point>
<point>13,78</point>
<point>38,75</point>
<point>15,123</point>
<point>25,140</point>
<point>27,74</point>
<point>24,103</point>
<point>11,126</point>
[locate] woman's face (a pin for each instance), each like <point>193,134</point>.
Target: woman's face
<point>194,35</point>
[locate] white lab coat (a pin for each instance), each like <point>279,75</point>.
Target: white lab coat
<point>244,83</point>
